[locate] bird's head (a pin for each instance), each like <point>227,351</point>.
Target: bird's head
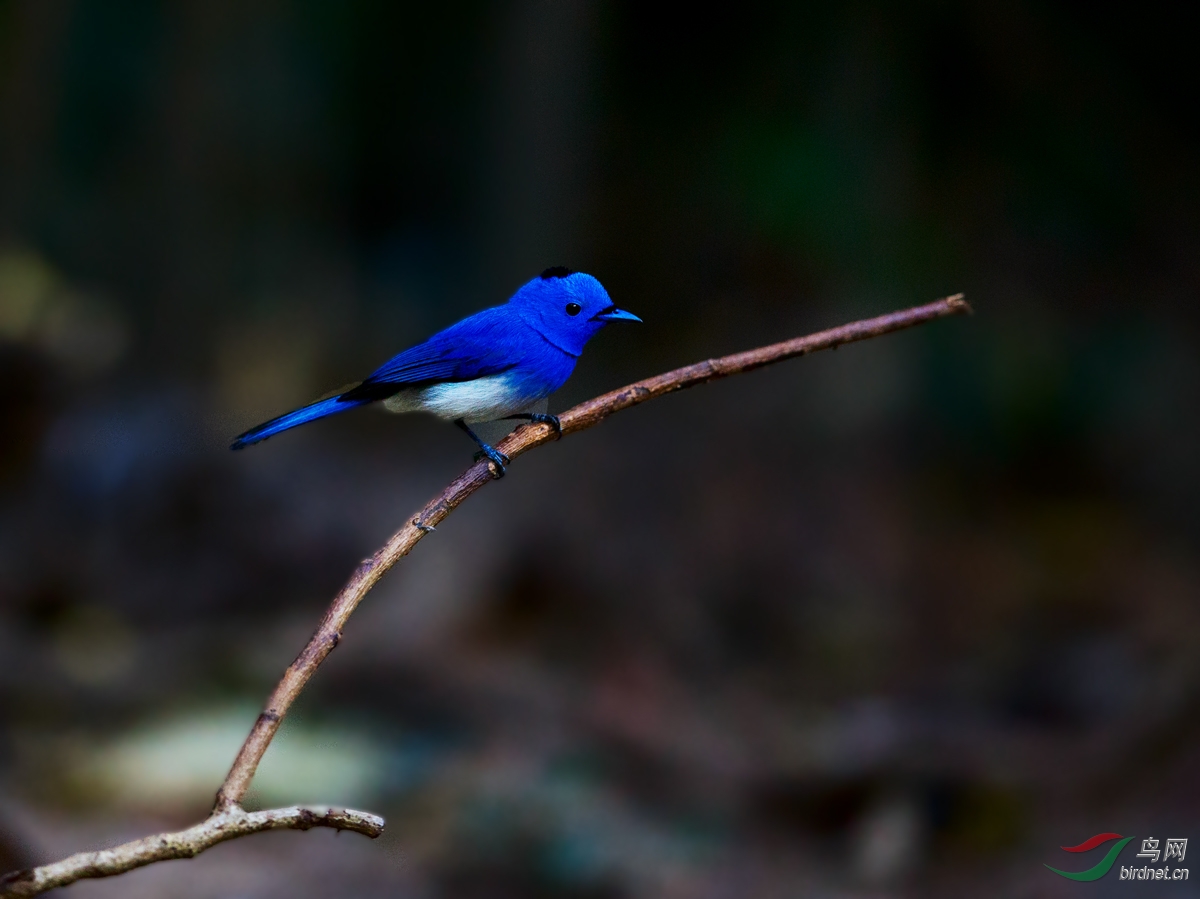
<point>567,308</point>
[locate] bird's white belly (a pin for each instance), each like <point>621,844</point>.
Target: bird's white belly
<point>484,399</point>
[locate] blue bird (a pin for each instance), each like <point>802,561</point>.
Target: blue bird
<point>492,365</point>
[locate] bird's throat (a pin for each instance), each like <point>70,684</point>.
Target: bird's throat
<point>558,347</point>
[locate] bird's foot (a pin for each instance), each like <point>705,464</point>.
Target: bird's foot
<point>497,458</point>
<point>540,418</point>
<point>545,418</point>
<point>422,526</point>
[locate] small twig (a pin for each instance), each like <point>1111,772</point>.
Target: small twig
<point>221,826</point>
<point>228,820</point>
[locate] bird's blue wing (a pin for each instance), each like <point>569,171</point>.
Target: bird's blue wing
<point>486,343</point>
<point>430,361</point>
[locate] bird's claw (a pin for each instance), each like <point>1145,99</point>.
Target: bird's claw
<point>422,526</point>
<point>497,458</point>
<point>544,418</point>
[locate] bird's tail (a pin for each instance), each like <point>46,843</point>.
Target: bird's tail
<point>303,415</point>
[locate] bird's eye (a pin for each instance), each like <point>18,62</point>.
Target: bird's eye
<point>574,308</point>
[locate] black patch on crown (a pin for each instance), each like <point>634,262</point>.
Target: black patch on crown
<point>556,271</point>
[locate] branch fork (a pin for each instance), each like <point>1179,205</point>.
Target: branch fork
<point>227,824</point>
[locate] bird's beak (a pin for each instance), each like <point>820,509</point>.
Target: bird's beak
<point>613,314</point>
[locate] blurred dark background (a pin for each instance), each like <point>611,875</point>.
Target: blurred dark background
<point>897,620</point>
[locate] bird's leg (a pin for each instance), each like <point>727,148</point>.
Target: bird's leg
<point>496,457</point>
<point>539,418</point>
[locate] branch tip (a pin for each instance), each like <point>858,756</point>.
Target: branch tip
<point>959,303</point>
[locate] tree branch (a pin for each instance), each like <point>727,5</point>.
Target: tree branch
<point>221,826</point>
<point>228,820</point>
